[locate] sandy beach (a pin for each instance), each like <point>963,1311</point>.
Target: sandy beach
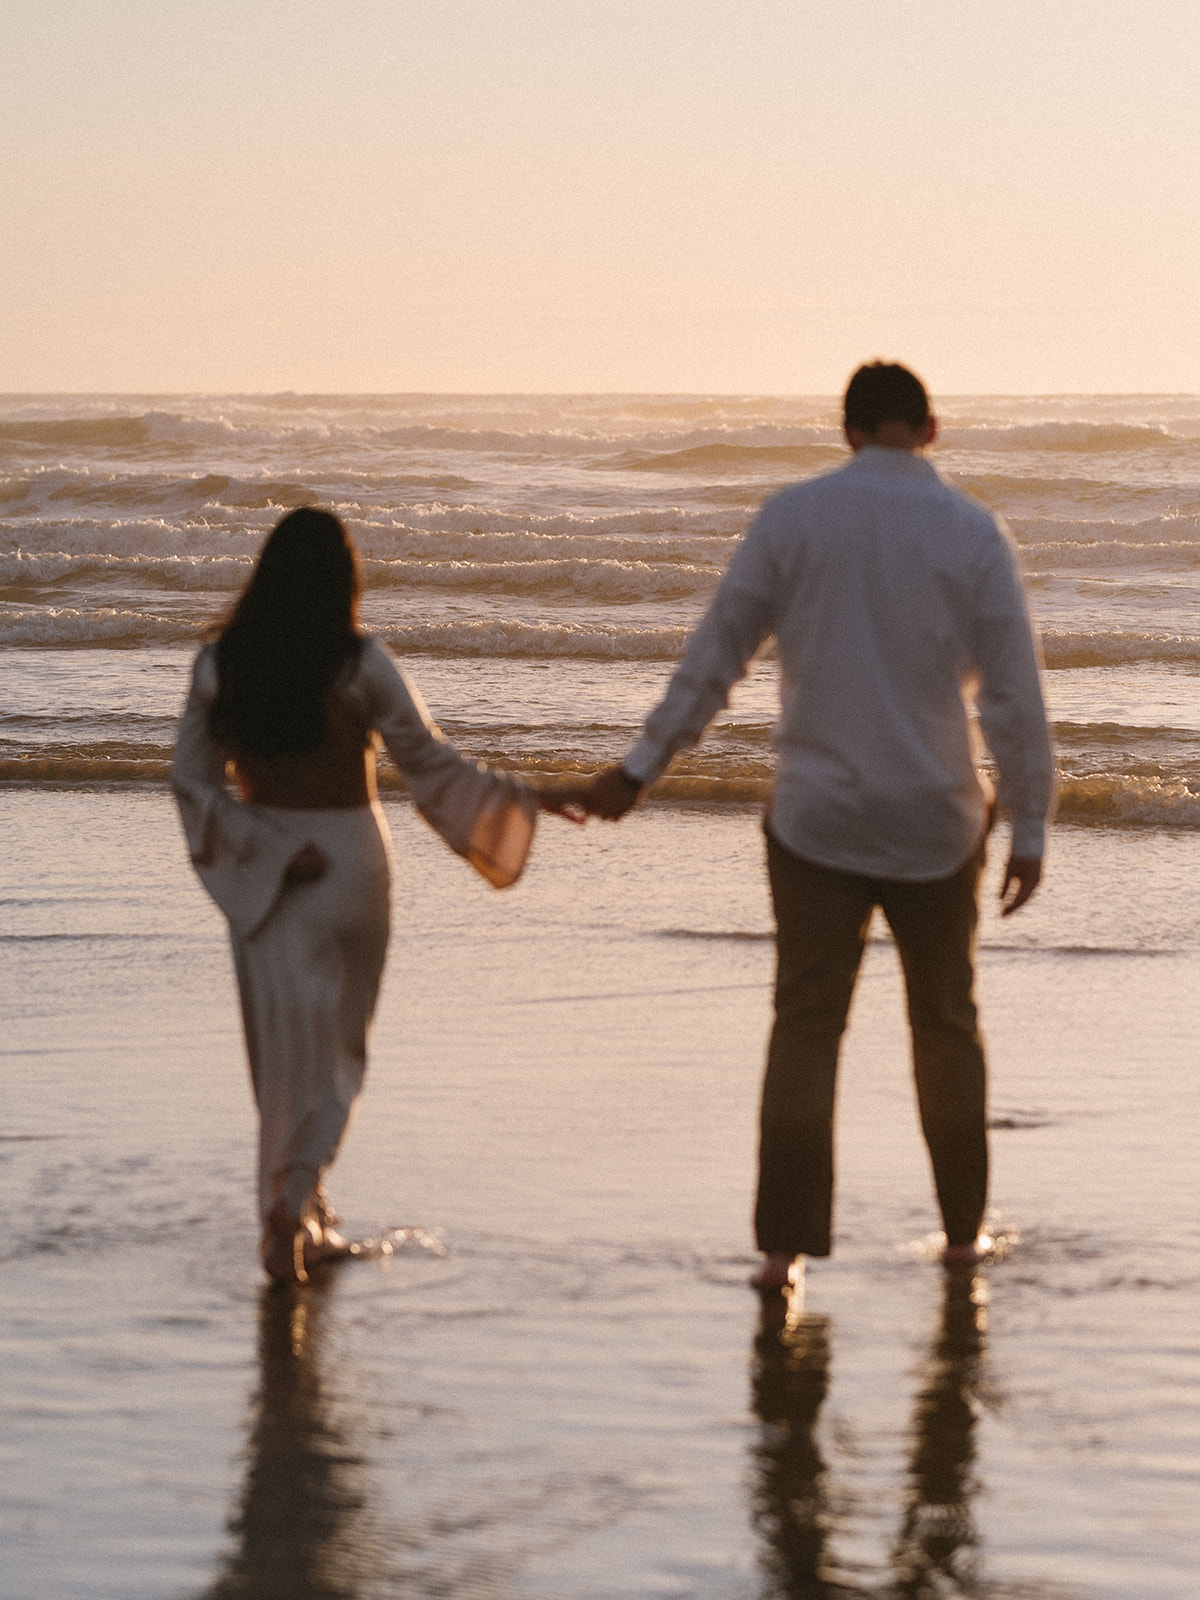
<point>577,1398</point>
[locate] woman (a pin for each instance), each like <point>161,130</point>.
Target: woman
<point>294,698</point>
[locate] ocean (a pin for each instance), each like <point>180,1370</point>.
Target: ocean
<point>558,1385</point>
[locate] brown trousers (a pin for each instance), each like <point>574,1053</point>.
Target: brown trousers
<point>822,918</point>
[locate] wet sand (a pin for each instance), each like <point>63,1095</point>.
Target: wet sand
<point>579,1399</point>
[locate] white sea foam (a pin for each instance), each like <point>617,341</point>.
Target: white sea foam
<point>609,581</point>
<point>394,521</point>
<point>673,527</point>
<point>1110,557</point>
<point>66,625</point>
<point>510,637</point>
<point>1056,435</point>
<point>24,569</point>
<point>1098,537</point>
<point>600,577</point>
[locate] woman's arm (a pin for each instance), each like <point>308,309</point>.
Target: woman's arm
<point>209,813</point>
<point>243,860</point>
<point>488,817</point>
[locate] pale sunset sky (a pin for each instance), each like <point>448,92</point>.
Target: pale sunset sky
<point>635,195</point>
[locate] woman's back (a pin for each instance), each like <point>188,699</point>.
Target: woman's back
<point>337,775</point>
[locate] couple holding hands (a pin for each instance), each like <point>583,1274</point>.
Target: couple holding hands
<point>896,607</point>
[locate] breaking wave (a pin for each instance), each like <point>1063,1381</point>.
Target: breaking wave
<point>80,433</point>
<point>1108,801</point>
<point>1066,649</point>
<point>1063,436</point>
<point>508,637</point>
<point>779,459</point>
<point>602,578</point>
<point>66,625</point>
<point>1102,534</point>
<point>1118,800</point>
<point>22,569</point>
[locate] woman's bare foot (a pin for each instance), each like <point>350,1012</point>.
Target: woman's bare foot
<point>285,1244</point>
<point>330,1246</point>
<point>778,1271</point>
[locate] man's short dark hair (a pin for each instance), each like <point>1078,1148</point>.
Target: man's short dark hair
<point>884,391</point>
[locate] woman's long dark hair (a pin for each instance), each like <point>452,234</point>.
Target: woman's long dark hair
<point>287,638</point>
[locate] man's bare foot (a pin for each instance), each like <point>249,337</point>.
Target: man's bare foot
<point>969,1255</point>
<point>284,1246</point>
<point>779,1271</point>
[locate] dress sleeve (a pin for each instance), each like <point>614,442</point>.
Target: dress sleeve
<point>485,816</point>
<point>240,855</point>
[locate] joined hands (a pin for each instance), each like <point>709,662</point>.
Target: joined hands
<point>608,794</point>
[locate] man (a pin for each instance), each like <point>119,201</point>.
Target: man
<point>893,600</point>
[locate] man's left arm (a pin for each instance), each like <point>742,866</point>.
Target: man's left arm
<point>1012,714</point>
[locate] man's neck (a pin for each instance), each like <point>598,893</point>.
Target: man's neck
<point>893,435</point>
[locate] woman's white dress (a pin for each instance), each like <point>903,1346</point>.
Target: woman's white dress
<point>309,957</point>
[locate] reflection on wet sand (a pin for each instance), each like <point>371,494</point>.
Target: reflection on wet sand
<point>303,1526</point>
<point>298,1525</point>
<point>938,1538</point>
<point>795,1510</point>
<point>789,1510</point>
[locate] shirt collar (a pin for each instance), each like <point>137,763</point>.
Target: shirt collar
<point>879,458</point>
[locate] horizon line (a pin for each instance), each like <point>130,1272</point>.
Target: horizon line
<point>566,394</point>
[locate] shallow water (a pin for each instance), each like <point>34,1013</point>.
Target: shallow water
<point>577,1400</point>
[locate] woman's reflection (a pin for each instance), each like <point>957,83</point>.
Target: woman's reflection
<point>794,1507</point>
<point>299,1534</point>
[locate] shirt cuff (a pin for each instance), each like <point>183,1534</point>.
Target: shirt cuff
<point>645,762</point>
<point>1028,837</point>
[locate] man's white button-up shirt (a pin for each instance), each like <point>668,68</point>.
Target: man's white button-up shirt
<point>895,603</point>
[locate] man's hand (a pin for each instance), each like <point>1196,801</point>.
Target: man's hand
<point>1022,875</point>
<point>307,865</point>
<point>610,794</point>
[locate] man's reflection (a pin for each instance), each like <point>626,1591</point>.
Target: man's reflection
<point>794,1506</point>
<point>938,1536</point>
<point>790,1377</point>
<point>299,1524</point>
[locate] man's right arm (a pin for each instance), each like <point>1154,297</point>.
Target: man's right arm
<point>743,613</point>
<point>718,656</point>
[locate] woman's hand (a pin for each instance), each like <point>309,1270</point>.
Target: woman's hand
<point>307,865</point>
<point>563,800</point>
